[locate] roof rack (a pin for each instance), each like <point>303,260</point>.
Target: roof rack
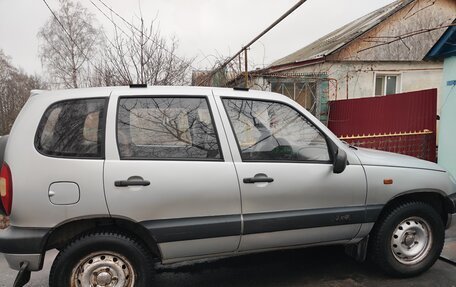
<point>241,89</point>
<point>138,85</point>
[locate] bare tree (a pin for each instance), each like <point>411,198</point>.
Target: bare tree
<point>142,55</point>
<point>15,88</point>
<point>68,42</point>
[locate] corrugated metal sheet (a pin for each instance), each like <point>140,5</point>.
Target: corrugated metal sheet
<point>340,37</point>
<point>407,112</point>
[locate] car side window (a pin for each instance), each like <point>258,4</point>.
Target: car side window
<point>166,128</point>
<point>271,131</point>
<point>72,128</point>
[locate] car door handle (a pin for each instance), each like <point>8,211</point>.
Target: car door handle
<point>131,183</point>
<point>257,179</point>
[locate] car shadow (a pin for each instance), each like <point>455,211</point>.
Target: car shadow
<point>320,266</point>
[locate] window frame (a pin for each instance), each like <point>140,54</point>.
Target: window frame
<point>384,76</point>
<point>101,124</point>
<point>296,84</point>
<point>327,139</point>
<point>205,97</point>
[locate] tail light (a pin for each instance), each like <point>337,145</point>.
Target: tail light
<point>6,188</point>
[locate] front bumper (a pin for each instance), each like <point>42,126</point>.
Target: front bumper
<point>449,221</point>
<point>23,245</point>
<point>451,203</point>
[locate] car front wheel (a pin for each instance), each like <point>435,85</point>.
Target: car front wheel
<point>408,239</point>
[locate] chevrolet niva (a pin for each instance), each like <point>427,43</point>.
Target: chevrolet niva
<point>117,178</point>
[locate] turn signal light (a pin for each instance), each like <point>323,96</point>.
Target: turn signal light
<point>388,181</point>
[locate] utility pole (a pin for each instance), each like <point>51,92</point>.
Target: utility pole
<point>246,73</point>
<point>291,10</point>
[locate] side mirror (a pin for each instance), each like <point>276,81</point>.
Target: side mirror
<point>340,161</point>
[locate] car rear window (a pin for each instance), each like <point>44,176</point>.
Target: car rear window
<point>73,128</point>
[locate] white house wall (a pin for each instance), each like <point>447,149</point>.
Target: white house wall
<point>360,76</point>
<point>447,134</point>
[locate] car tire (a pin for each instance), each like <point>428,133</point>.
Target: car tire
<point>407,239</point>
<point>104,257</point>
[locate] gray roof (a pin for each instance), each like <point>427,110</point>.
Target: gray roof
<point>342,36</point>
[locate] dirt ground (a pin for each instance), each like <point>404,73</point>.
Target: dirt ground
<point>4,222</point>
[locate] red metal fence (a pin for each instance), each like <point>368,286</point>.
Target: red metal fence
<point>403,123</point>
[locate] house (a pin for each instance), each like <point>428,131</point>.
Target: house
<point>445,48</point>
<point>379,54</point>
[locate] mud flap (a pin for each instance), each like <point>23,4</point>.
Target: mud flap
<point>23,276</point>
<point>358,251</point>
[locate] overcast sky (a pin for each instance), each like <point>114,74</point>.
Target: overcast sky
<point>203,27</point>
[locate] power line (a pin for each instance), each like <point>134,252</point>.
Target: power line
<point>68,34</point>
<point>115,24</point>
<point>57,19</point>
<point>109,18</point>
<point>117,14</point>
<point>142,33</point>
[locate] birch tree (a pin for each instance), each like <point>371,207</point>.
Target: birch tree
<point>66,51</point>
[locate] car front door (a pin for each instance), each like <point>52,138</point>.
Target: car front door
<point>290,194</point>
<point>171,172</point>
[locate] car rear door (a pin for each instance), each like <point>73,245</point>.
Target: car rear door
<point>290,195</point>
<point>61,158</point>
<point>168,169</point>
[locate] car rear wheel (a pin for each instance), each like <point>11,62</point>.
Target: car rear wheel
<point>103,259</point>
<point>408,239</point>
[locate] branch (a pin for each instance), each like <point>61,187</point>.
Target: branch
<point>401,37</point>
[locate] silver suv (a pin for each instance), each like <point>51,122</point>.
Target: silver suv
<point>116,178</point>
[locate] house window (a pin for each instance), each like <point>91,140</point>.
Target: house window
<point>304,93</point>
<point>386,85</point>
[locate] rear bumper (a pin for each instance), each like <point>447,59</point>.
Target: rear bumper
<point>23,244</point>
<point>15,261</point>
